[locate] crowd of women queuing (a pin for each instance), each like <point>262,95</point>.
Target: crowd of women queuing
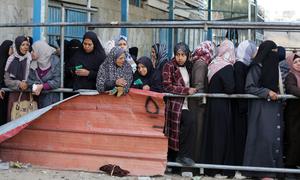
<point>256,132</point>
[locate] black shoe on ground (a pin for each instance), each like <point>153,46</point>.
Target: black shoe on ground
<point>185,161</point>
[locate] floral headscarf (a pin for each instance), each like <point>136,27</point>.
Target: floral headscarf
<point>206,51</point>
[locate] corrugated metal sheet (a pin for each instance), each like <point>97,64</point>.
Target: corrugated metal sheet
<point>87,132</point>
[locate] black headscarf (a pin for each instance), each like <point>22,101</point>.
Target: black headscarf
<point>269,61</point>
<point>30,40</point>
<point>146,80</point>
<point>90,61</point>
<point>74,46</point>
<point>133,51</point>
<point>18,42</point>
<point>4,49</point>
<point>184,48</point>
<point>281,53</point>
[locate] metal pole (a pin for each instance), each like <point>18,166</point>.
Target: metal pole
<point>204,95</point>
<point>231,96</point>
<point>62,50</point>
<point>275,26</point>
<point>124,15</point>
<point>249,18</point>
<point>209,32</point>
<point>38,17</point>
<point>89,5</point>
<point>239,168</point>
<point>170,30</point>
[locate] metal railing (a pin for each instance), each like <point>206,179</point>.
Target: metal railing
<point>286,26</point>
<point>277,26</point>
<point>203,95</point>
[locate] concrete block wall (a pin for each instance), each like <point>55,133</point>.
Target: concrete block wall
<point>110,11</point>
<point>15,11</point>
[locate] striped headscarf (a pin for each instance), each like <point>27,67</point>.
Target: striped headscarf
<point>161,54</point>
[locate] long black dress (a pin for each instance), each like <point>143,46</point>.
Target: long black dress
<point>4,48</point>
<point>239,109</point>
<point>218,137</point>
<point>264,137</point>
<point>292,120</point>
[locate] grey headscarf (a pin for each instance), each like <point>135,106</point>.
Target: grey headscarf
<point>43,52</point>
<point>161,55</point>
<point>109,71</point>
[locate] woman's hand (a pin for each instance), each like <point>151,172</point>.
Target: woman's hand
<point>2,94</point>
<point>273,95</point>
<point>38,89</point>
<point>23,85</point>
<point>192,91</point>
<point>121,82</point>
<point>82,72</point>
<point>146,87</point>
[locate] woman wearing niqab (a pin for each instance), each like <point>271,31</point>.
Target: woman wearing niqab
<point>264,135</point>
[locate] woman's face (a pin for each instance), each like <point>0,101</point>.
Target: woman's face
<point>122,44</point>
<point>34,55</point>
<point>153,54</point>
<point>296,64</point>
<point>24,47</point>
<point>88,45</point>
<point>180,57</point>
<point>10,51</point>
<point>142,69</point>
<point>120,61</point>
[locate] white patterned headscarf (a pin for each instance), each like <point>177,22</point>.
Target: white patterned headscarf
<point>246,51</point>
<point>225,57</point>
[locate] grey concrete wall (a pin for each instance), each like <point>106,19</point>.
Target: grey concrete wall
<point>15,11</point>
<point>285,39</point>
<point>141,38</point>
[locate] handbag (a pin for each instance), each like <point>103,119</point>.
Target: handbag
<point>21,108</point>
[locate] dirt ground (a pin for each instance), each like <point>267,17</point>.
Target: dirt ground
<point>35,173</point>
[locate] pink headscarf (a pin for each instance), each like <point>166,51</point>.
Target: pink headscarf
<point>206,51</point>
<point>290,61</point>
<point>226,56</point>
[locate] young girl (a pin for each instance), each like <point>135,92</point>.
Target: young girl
<point>180,122</point>
<point>142,78</point>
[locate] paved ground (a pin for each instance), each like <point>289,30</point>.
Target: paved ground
<point>34,173</point>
